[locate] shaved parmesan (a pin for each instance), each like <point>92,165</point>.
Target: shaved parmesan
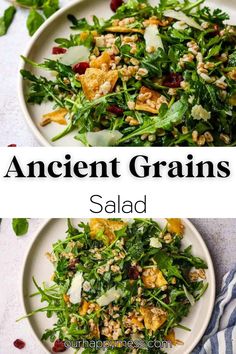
<point>103,138</point>
<point>180,26</point>
<point>76,288</point>
<point>110,296</point>
<point>152,37</point>
<point>189,296</point>
<point>75,55</point>
<point>179,15</point>
<point>154,242</point>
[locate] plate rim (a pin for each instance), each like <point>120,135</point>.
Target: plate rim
<point>212,295</point>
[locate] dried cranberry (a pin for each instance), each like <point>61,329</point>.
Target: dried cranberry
<point>80,68</point>
<point>115,4</point>
<point>72,264</point>
<point>11,145</point>
<point>59,346</point>
<point>19,344</point>
<point>133,273</point>
<point>58,50</point>
<point>173,80</point>
<point>216,31</point>
<point>166,300</point>
<point>115,110</point>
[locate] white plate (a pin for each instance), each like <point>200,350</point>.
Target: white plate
<point>37,265</point>
<point>40,48</point>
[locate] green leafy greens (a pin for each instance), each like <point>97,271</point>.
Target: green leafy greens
<point>39,11</point>
<point>6,20</point>
<point>115,257</point>
<point>20,226</point>
<point>180,91</point>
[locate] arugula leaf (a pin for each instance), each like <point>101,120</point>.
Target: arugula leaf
<point>20,226</point>
<point>182,36</point>
<point>72,231</point>
<point>171,117</point>
<point>135,248</point>
<point>214,51</point>
<point>153,63</point>
<point>83,25</point>
<point>50,7</point>
<point>41,89</point>
<point>34,21</point>
<point>232,59</point>
<point>194,261</point>
<point>6,20</point>
<point>75,40</point>
<point>215,16</point>
<point>165,262</point>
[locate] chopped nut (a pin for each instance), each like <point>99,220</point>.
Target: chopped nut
<point>73,319</point>
<point>142,72</point>
<point>196,274</point>
<point>115,268</point>
<point>152,138</point>
<point>202,273</point>
<point>172,92</point>
<point>131,105</point>
<point>134,61</point>
<point>188,58</point>
<point>184,130</point>
<point>225,138</point>
<point>209,138</point>
<point>193,47</point>
<point>221,83</point>
<point>134,122</point>
<point>168,238</point>
<point>184,85</point>
<point>206,77</point>
<point>232,74</point>
<point>201,140</point>
<point>144,136</point>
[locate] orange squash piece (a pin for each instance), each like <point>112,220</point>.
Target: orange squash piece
<point>108,227</point>
<point>57,116</point>
<point>175,226</point>
<point>84,308</point>
<point>153,278</point>
<point>103,59</point>
<point>154,317</point>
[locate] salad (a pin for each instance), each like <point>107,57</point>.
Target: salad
<point>117,280</point>
<point>160,75</point>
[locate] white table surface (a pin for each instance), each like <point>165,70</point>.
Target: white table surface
<point>219,235</point>
<point>14,129</point>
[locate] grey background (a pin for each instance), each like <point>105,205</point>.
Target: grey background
<point>219,235</point>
